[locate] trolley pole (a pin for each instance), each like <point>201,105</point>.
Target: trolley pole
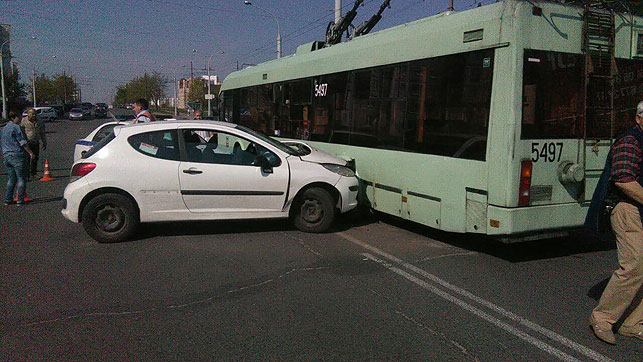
<point>338,10</point>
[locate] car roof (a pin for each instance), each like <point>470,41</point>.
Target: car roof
<point>187,122</point>
<point>134,128</point>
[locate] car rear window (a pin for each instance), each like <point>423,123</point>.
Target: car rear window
<point>100,145</point>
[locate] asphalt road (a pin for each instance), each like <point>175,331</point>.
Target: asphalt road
<point>374,288</point>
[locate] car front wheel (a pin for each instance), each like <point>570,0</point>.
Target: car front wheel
<point>110,218</point>
<point>314,211</point>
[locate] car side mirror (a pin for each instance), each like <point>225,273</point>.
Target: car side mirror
<point>263,162</point>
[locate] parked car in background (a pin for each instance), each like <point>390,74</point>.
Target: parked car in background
<point>122,116</point>
<point>173,173</point>
<point>101,110</point>
<point>59,108</point>
<point>76,114</point>
<point>88,110</point>
<point>45,114</point>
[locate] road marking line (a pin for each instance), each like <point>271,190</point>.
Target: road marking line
<point>478,312</point>
<point>516,318</point>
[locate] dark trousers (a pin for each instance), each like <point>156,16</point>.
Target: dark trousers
<point>34,146</point>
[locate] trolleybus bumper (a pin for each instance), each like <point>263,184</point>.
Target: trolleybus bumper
<point>546,221</point>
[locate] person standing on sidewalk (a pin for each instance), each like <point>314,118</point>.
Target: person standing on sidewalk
<point>14,147</point>
<point>35,132</point>
<point>627,185</point>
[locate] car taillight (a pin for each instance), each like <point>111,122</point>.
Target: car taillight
<point>81,169</point>
<point>525,183</point>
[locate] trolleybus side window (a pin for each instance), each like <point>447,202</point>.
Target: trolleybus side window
<point>378,110</point>
<point>448,105</point>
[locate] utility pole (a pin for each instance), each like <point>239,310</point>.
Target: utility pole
<point>191,70</point>
<point>64,87</point>
<point>33,83</point>
<point>175,99</point>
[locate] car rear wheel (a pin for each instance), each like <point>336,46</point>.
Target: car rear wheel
<point>314,211</point>
<point>110,218</point>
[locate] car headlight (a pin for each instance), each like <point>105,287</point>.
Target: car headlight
<point>338,169</point>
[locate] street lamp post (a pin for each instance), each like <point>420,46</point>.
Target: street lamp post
<point>4,98</point>
<point>278,28</point>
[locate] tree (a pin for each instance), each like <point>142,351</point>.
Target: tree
<point>150,87</point>
<point>58,89</point>
<point>15,90</point>
<point>197,91</point>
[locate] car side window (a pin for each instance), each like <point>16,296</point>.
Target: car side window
<point>157,144</point>
<point>208,146</point>
<point>103,132</point>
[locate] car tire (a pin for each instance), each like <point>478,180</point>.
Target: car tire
<point>110,218</point>
<point>314,211</point>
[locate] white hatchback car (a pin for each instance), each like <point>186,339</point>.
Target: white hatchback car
<point>195,170</point>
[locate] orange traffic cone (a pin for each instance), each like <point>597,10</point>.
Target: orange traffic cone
<point>47,175</point>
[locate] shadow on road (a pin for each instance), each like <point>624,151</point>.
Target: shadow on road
<point>577,243</point>
<point>44,200</point>
<point>217,227</point>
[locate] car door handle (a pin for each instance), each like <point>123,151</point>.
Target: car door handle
<point>192,171</point>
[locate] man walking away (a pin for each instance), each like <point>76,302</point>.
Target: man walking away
<point>14,147</point>
<point>35,132</point>
<point>143,115</point>
<point>626,184</point>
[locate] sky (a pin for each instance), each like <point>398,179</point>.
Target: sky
<point>106,43</point>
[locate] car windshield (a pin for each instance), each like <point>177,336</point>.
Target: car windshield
<point>270,140</point>
<point>77,110</point>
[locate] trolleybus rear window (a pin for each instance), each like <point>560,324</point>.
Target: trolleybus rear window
<point>554,97</point>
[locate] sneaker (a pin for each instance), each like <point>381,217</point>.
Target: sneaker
<point>20,203</point>
<point>602,332</point>
<point>7,203</point>
<point>631,332</point>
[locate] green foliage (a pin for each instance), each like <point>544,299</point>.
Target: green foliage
<point>60,88</point>
<point>15,90</point>
<point>150,87</point>
<point>197,91</point>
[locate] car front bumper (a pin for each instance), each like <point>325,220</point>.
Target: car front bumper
<point>348,188</point>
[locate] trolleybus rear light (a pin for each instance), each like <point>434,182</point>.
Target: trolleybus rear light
<point>525,183</point>
<point>494,223</point>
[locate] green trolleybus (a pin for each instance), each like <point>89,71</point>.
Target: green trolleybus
<point>495,120</point>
